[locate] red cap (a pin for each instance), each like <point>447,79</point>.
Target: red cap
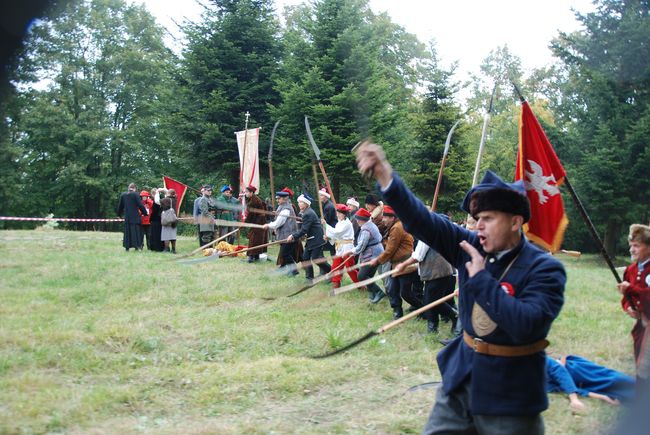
<point>252,188</point>
<point>289,191</point>
<point>363,214</point>
<point>388,210</point>
<point>342,208</point>
<point>145,193</point>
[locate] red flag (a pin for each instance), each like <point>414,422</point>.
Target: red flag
<point>179,187</point>
<point>542,172</point>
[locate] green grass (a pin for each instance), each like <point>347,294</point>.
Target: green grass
<point>96,339</point>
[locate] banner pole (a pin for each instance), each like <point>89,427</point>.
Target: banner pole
<point>241,173</point>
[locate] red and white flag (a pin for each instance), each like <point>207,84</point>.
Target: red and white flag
<point>179,187</point>
<point>249,164</point>
<point>540,169</point>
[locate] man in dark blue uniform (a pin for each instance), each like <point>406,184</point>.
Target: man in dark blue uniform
<point>510,292</point>
<point>313,229</point>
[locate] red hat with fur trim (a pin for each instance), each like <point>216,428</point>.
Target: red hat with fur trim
<point>388,211</point>
<point>251,188</point>
<point>342,208</point>
<point>362,214</point>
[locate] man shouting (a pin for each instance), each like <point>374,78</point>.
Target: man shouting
<point>510,292</point>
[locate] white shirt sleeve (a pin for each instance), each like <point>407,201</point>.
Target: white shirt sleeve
<point>420,251</point>
<point>280,219</point>
<point>340,231</point>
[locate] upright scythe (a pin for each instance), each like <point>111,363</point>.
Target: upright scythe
<point>275,127</point>
<point>318,159</point>
<point>486,119</point>
<point>442,166</point>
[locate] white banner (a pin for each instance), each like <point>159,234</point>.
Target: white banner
<point>249,163</point>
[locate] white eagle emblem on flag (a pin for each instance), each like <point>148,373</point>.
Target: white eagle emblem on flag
<point>538,182</point>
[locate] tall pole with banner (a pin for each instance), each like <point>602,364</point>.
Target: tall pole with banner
<point>241,172</point>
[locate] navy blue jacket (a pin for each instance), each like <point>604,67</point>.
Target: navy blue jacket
<point>498,385</point>
<point>329,213</point>
<point>312,228</point>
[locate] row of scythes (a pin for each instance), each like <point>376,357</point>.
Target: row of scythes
<point>350,287</point>
<point>333,272</point>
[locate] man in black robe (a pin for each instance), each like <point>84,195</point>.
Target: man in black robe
<point>129,205</point>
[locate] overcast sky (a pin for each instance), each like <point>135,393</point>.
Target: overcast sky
<point>464,30</point>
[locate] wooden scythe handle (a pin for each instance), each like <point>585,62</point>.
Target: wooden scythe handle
<point>410,315</point>
<point>327,181</point>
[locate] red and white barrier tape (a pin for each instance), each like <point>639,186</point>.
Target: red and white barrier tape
<point>18,218</point>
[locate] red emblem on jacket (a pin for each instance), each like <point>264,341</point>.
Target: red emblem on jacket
<point>508,288</point>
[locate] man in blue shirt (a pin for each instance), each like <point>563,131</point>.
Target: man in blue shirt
<point>509,294</point>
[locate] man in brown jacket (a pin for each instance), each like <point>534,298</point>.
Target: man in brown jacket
<point>398,247</point>
<point>256,236</point>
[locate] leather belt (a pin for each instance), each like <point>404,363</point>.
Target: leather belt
<point>485,348</point>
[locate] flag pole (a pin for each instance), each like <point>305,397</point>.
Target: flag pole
<point>241,172</point>
<point>592,229</point>
<point>583,214</point>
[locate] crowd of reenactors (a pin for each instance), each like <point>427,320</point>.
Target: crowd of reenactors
<point>509,290</point>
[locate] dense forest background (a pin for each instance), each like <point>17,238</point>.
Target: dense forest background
<point>95,100</point>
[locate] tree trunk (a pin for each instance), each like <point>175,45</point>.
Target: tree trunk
<point>234,182</point>
<point>612,234</point>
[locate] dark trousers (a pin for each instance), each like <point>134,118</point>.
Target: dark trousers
<point>435,289</point>
<point>286,253</point>
<point>225,230</point>
<point>205,237</point>
<point>404,287</point>
<point>314,254</point>
<point>331,248</point>
<point>368,272</point>
<point>451,415</point>
<point>146,233</point>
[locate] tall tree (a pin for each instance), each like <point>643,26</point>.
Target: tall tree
<point>354,74</point>
<point>95,126</point>
<point>229,68</point>
<point>439,112</point>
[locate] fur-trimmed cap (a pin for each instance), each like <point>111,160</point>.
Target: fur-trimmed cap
<point>495,194</point>
<point>342,208</point>
<point>352,202</point>
<point>305,198</point>
<point>639,233</point>
<point>323,192</point>
<point>388,211</point>
<point>362,214</point>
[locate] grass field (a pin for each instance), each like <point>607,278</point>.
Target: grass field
<point>97,340</point>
